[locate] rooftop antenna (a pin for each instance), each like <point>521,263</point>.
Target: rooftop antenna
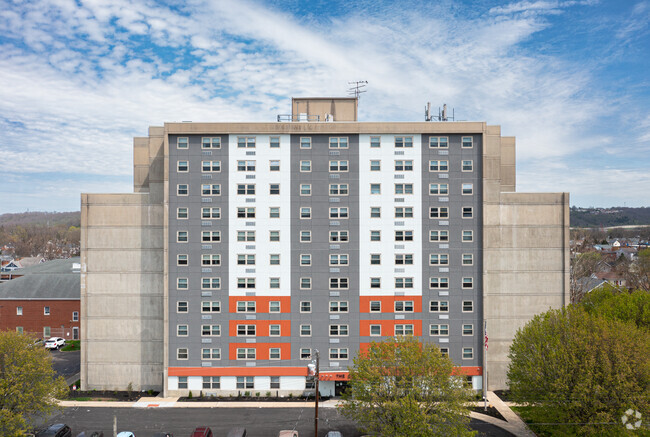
<point>442,114</point>
<point>356,88</point>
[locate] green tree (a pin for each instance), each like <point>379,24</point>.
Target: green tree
<point>639,271</point>
<point>401,387</point>
<point>28,385</point>
<point>613,303</point>
<point>581,368</point>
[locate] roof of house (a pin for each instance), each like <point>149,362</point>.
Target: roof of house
<point>56,279</point>
<point>589,283</point>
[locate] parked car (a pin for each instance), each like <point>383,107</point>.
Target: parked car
<point>90,434</point>
<point>54,343</point>
<point>334,434</point>
<point>202,431</point>
<point>56,430</point>
<point>237,432</point>
<point>163,434</point>
<point>288,433</point>
<point>125,434</point>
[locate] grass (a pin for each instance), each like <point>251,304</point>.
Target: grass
<point>71,345</point>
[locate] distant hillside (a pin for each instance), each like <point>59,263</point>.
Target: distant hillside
<point>40,218</point>
<point>49,234</point>
<point>607,217</point>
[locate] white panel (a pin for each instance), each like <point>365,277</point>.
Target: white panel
<point>326,388</point>
<point>195,383</point>
<point>263,383</point>
<point>263,224</point>
<point>292,382</point>
<point>386,224</point>
<point>477,382</point>
<point>172,382</point>
<point>228,383</point>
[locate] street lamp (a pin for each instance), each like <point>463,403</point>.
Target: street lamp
<point>314,370</point>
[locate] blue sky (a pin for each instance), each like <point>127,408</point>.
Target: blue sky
<point>80,78</point>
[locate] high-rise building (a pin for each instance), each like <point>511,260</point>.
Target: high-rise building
<point>246,247</point>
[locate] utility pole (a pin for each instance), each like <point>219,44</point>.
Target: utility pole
<point>315,370</point>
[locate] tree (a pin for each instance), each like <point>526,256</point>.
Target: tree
<point>28,385</point>
<point>583,265</point>
<point>402,387</point>
<point>639,271</point>
<point>581,368</point>
<point>612,303</point>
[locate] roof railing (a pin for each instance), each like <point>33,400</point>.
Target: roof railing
<point>298,117</point>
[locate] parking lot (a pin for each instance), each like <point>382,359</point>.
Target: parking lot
<point>66,363</point>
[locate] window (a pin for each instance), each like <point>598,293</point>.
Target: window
<point>468,329</point>
<point>305,189</point>
<point>468,212</point>
<point>211,189</point>
<point>339,212</point>
<point>274,212</point>
<point>245,382</point>
<point>19,311</point>
<point>275,382</point>
<point>274,142</point>
<point>468,236</point>
<point>375,235</point>
<point>438,165</point>
<point>305,166</point>
<point>182,143</point>
<point>338,142</point>
<point>246,189</point>
<point>246,330</point>
<point>305,330</point>
<point>210,307</point>
<point>305,353</point>
<point>375,142</point>
<point>245,353</point>
<point>305,212</point>
<point>468,306</point>
<point>274,306</point>
<point>375,306</point>
<point>274,353</point>
<point>439,306</point>
<point>181,236</point>
<point>210,283</point>
<point>47,332</point>
<point>244,260</point>
<point>403,235</point>
<point>404,212</point>
<point>305,236</point>
<point>274,330</point>
<point>182,189</point>
<point>274,165</point>
<point>75,316</point>
<point>403,282</point>
<point>375,259</point>
<point>211,143</point>
<point>468,353</point>
<point>339,259</point>
<point>182,166</point>
<point>182,380</point>
<point>468,165</point>
<point>438,259</point>
<point>305,283</point>
<point>339,330</point>
<point>404,329</point>
<point>438,189</point>
<point>305,259</point>
<point>339,166</point>
<point>375,188</point>
<point>305,306</point>
<point>339,189</point>
<point>181,213</point>
<point>438,235</point>
<point>339,306</point>
<point>245,235</point>
<point>210,330</point>
<point>375,212</point>
<point>246,142</point>
<point>246,306</point>
<point>245,282</point>
<point>274,282</point>
<point>439,283</point>
<point>468,282</point>
<point>467,142</point>
<point>339,283</point>
<point>375,282</point>
<point>438,330</point>
<point>19,329</point>
<point>305,142</point>
<point>403,141</point>
<point>438,142</point>
<point>181,354</point>
<point>211,260</point>
<point>245,165</point>
<point>274,189</point>
<point>403,165</point>
<point>404,306</point>
<point>274,259</point>
<point>438,212</point>
<point>212,382</point>
<point>210,166</point>
<point>403,188</point>
<point>403,259</point>
<point>468,189</point>
<point>340,353</point>
<point>375,330</point>
<point>211,213</point>
<point>181,307</point>
<point>181,331</point>
<point>339,236</point>
<point>375,165</point>
<point>181,284</point>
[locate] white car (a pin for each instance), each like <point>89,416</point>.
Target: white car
<point>54,343</point>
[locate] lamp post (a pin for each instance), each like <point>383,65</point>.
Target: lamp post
<point>315,370</point>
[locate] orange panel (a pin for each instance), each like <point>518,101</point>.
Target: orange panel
<point>262,303</point>
<point>334,376</point>
<point>262,327</point>
<point>237,371</point>
<point>388,327</point>
<point>261,350</point>
<point>388,303</point>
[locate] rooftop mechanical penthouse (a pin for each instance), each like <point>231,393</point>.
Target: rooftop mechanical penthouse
<point>245,247</point>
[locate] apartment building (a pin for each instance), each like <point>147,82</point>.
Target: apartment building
<point>247,247</point>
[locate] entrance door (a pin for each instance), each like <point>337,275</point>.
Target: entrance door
<point>340,387</point>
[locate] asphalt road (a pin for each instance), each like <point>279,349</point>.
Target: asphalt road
<point>66,363</point>
<point>260,422</point>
